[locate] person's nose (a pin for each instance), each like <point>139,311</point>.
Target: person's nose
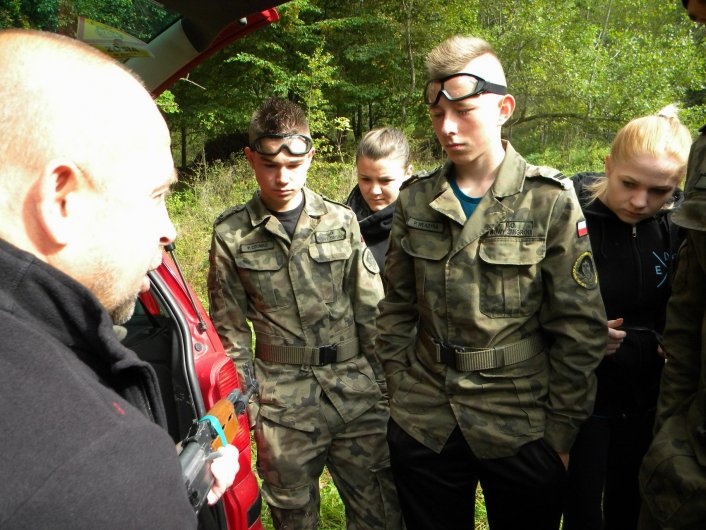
<point>168,230</point>
<point>448,124</point>
<point>375,189</point>
<point>639,200</point>
<point>282,176</point>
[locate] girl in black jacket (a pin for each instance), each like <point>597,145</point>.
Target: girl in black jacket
<point>382,163</point>
<point>634,246</point>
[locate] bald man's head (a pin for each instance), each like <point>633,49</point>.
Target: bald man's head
<point>60,97</point>
<point>85,162</point>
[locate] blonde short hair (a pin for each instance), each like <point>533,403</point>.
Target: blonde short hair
<point>454,54</point>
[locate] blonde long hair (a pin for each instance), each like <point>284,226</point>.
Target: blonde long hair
<point>660,135</point>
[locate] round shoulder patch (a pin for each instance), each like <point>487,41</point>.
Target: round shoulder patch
<point>584,271</point>
<point>369,261</point>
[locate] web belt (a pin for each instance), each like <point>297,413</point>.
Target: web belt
<point>309,355</point>
<point>474,359</point>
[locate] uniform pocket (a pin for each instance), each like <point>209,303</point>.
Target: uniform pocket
<point>265,278</point>
<point>428,251</point>
<point>517,394</point>
<point>328,267</point>
<point>511,283</point>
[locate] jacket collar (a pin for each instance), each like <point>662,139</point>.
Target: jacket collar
<point>56,305</point>
<point>509,181</point>
<point>314,206</point>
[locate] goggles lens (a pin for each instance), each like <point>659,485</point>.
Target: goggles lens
<point>272,144</point>
<point>459,86</point>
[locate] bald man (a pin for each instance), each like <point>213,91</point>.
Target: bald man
<point>85,166</point>
<point>492,323</point>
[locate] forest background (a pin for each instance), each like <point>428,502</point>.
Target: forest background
<point>579,70</point>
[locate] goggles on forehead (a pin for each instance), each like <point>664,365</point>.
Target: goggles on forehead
<point>456,87</point>
<point>272,144</point>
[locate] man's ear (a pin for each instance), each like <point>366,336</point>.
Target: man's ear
<point>249,155</point>
<point>507,107</point>
<point>57,201</point>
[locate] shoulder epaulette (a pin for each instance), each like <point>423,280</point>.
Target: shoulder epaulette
<point>417,177</point>
<point>227,213</point>
<point>327,199</point>
<point>552,175</point>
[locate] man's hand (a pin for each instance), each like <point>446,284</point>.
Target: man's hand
<point>615,336</point>
<point>224,469</point>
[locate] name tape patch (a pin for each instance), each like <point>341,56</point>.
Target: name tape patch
<point>427,226</point>
<point>255,247</point>
<point>513,229</point>
<point>337,234</point>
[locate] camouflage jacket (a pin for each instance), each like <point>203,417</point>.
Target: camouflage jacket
<point>521,266</point>
<point>684,375</point>
<point>320,288</point>
<point>673,472</point>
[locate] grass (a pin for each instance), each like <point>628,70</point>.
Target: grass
<point>333,513</point>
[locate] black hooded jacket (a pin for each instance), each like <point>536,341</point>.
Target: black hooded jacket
<point>80,414</point>
<point>375,226</point>
<point>635,264</point>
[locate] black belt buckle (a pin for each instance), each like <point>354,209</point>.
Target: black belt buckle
<point>328,354</point>
<point>447,355</point>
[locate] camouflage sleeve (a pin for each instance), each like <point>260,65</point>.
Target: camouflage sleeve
<point>683,331</point>
<point>397,322</point>
<point>228,304</point>
<point>573,319</point>
<point>364,288</point>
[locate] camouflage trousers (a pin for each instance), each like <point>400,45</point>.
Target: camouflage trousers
<point>672,481</point>
<point>290,463</point>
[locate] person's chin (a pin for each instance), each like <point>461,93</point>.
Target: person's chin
<point>376,206</point>
<point>123,311</point>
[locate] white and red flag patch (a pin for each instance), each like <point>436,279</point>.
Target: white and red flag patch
<point>581,228</point>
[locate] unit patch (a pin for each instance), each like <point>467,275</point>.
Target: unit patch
<point>337,234</point>
<point>369,261</point>
<point>427,226</point>
<point>256,247</point>
<point>584,271</point>
<point>512,229</point>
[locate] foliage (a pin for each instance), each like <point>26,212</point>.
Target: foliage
<point>579,70</point>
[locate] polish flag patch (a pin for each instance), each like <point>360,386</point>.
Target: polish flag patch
<point>581,228</point>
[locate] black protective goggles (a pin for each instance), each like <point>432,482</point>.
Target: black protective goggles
<point>456,87</point>
<point>272,144</point>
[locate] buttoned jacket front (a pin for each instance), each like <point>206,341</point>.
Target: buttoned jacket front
<point>520,265</point>
<point>319,288</point>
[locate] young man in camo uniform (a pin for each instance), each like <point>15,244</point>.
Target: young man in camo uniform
<point>293,263</point>
<point>493,322</point>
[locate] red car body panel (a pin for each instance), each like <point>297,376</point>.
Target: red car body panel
<point>217,377</point>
